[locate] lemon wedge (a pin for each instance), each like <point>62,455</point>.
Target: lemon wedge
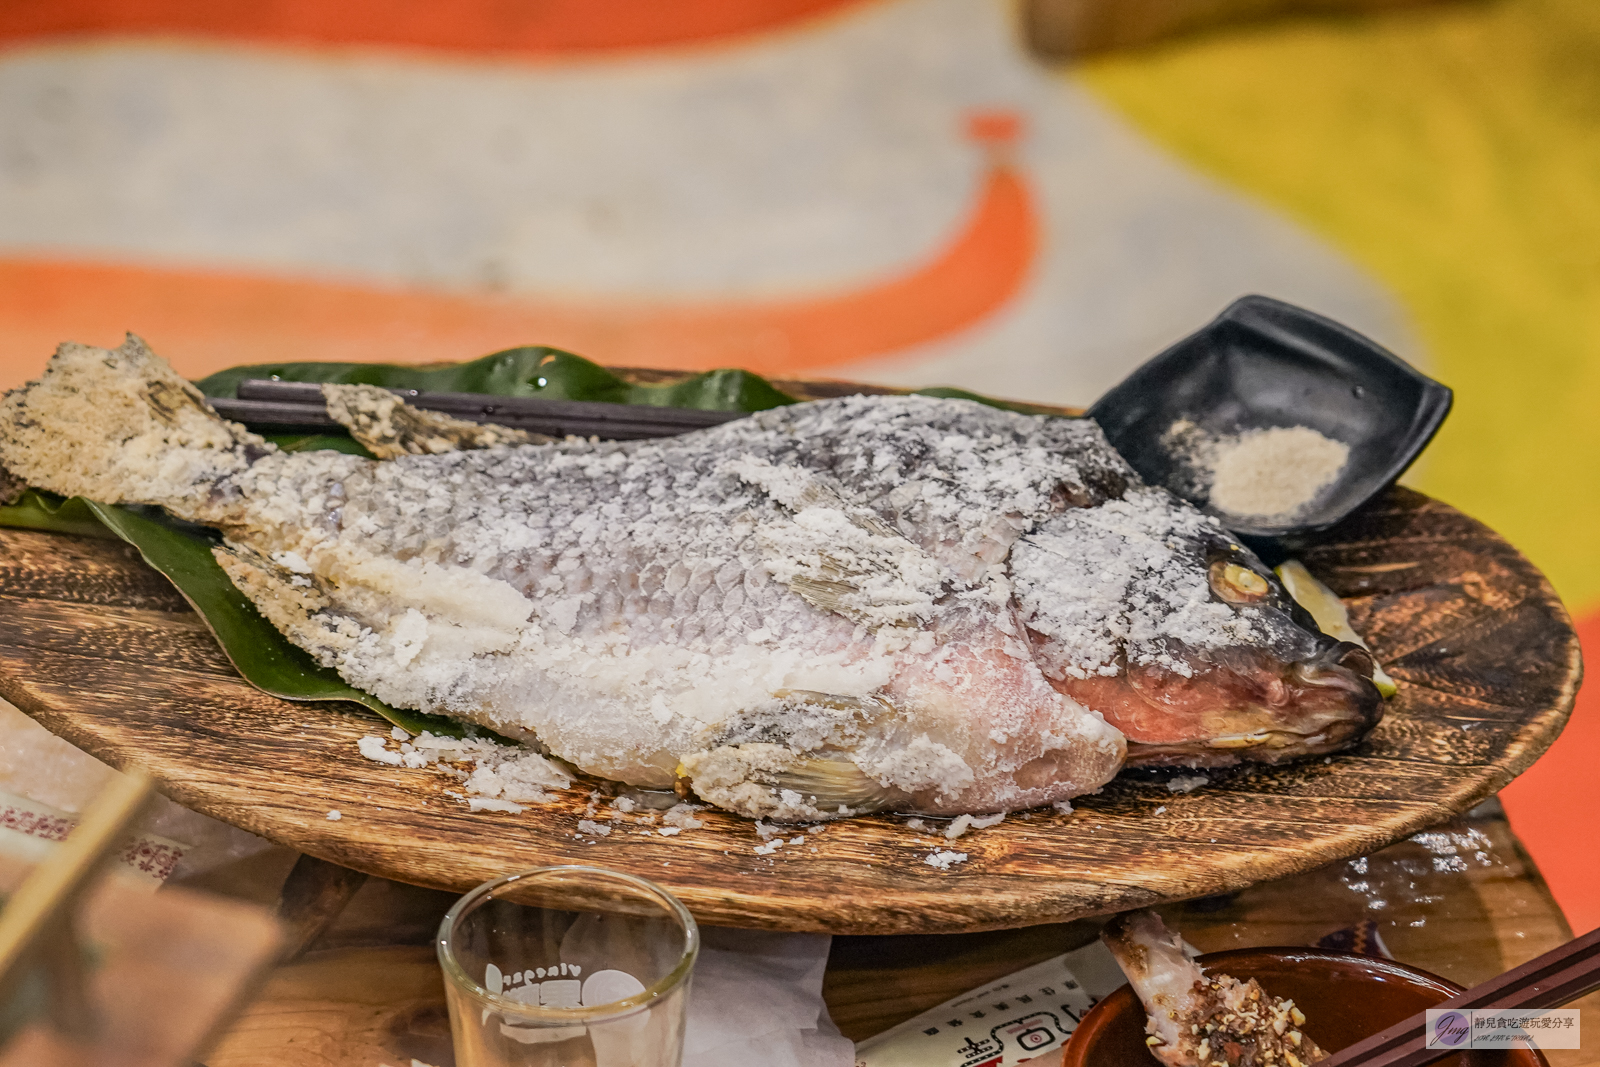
<point>1329,612</point>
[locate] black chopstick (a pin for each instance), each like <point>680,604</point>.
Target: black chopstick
<point>1561,975</point>
<point>275,415</point>
<point>298,407</point>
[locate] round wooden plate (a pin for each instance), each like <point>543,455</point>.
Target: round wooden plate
<point>103,651</point>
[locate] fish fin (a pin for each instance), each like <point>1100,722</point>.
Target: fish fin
<point>836,566</point>
<point>806,721</point>
<point>829,784</point>
<point>388,427</point>
<point>798,489</point>
<point>788,759</point>
<point>120,426</point>
<point>839,557</point>
<point>827,594</point>
<point>293,604</point>
<point>819,492</point>
<point>768,781</point>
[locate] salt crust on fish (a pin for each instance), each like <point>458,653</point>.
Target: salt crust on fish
<point>812,611</point>
<point>1107,584</point>
<point>389,427</point>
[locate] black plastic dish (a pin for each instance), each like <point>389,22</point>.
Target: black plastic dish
<point>1263,363</point>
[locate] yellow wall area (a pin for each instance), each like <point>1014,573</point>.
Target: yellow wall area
<point>1454,151</point>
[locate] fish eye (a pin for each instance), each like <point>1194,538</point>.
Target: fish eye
<point>1238,584</point>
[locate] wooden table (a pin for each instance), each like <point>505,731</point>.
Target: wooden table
<point>1462,900</point>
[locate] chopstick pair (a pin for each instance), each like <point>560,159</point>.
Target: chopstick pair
<point>263,404</point>
<point>1548,981</point>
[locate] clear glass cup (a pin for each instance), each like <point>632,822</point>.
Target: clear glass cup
<point>568,967</point>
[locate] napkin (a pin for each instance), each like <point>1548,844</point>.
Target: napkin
<point>1012,1020</point>
<point>30,831</point>
<point>757,998</point>
<point>45,781</point>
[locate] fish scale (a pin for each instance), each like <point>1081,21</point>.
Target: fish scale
<point>814,611</point>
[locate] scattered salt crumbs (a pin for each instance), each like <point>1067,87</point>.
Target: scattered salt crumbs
<point>943,860</point>
<point>490,804</point>
<point>334,815</point>
<point>374,748</point>
<point>670,823</point>
<point>1187,783</point>
<point>589,826</point>
<point>493,777</point>
<point>963,823</point>
<point>681,817</point>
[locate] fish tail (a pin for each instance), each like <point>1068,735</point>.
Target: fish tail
<point>120,426</point>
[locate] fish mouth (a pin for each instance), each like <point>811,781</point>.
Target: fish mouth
<point>1247,706</point>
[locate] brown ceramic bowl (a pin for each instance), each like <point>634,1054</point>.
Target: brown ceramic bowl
<point>1345,997</point>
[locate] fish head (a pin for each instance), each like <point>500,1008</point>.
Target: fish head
<point>1212,662</point>
<point>1293,691</point>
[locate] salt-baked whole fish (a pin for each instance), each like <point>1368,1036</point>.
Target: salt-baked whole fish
<point>844,606</point>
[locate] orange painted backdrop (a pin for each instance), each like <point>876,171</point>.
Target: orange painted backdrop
<point>205,320</point>
<point>541,28</point>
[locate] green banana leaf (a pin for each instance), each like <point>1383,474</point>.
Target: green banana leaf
<point>261,654</point>
<point>37,510</point>
<point>551,374</point>
<point>532,370</point>
<point>319,441</point>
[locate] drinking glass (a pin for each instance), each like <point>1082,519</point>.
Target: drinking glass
<point>568,967</point>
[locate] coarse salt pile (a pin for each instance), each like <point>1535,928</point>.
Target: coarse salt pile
<point>1274,473</point>
<point>1263,474</point>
